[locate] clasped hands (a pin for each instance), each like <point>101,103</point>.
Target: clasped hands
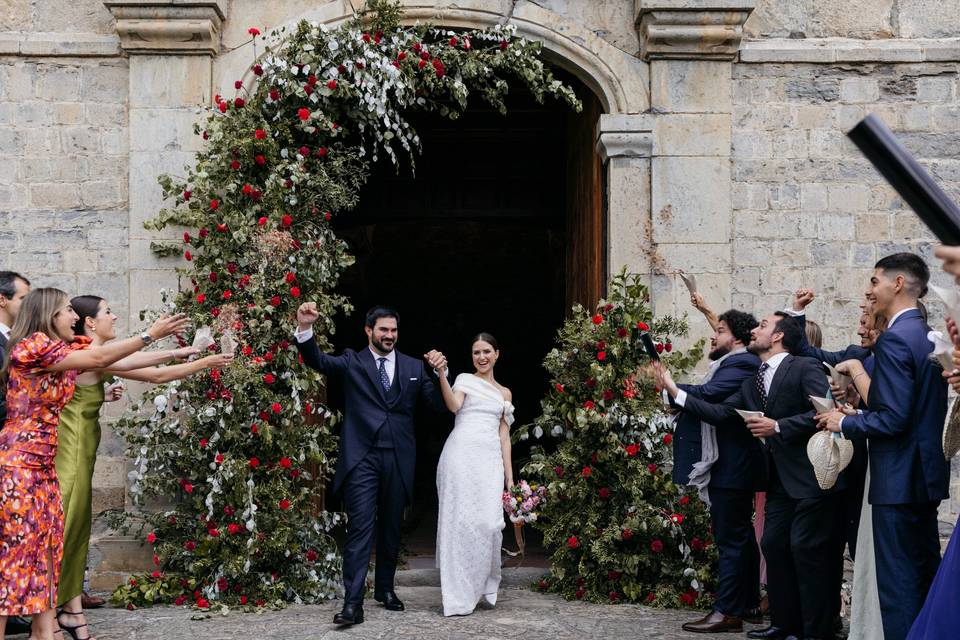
<point>436,361</point>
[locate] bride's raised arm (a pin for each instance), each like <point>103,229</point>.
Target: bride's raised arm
<point>453,399</point>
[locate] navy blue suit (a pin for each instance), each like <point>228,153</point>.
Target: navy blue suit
<point>377,455</point>
<point>738,472</point>
<point>908,473</point>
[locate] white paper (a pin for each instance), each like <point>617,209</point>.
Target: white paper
<point>690,281</point>
<point>202,339</point>
<point>752,414</point>
<point>942,350</point>
<point>840,380</point>
<point>823,405</point>
<point>951,298</point>
<point>227,344</point>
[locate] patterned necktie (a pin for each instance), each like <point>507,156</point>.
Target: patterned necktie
<point>761,389</point>
<point>384,378</point>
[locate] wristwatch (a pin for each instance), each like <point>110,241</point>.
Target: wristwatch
<point>146,337</point>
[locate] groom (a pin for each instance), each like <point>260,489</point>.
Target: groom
<point>377,447</point>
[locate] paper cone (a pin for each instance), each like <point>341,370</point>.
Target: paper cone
<point>823,405</point>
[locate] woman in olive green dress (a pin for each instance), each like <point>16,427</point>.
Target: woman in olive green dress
<point>79,436</point>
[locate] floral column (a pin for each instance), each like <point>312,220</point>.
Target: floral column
<point>690,46</point>
<point>170,46</point>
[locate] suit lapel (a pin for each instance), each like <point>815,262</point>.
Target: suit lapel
<point>370,366</point>
<point>778,377</point>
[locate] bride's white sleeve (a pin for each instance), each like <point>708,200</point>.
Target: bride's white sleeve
<point>508,414</point>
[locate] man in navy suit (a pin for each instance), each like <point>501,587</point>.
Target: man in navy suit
<point>377,449</point>
<point>727,468</point>
<point>802,526</point>
<point>904,424</point>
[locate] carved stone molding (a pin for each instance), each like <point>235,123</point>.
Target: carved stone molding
<point>691,29</point>
<point>623,136</point>
<point>180,27</point>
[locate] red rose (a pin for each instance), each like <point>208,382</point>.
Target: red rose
<point>696,544</point>
<point>604,493</point>
<point>652,468</point>
<point>312,555</point>
<point>231,267</point>
<point>579,594</point>
<point>628,393</point>
<point>586,472</point>
<point>259,134</point>
<point>365,37</point>
<point>187,487</point>
<point>186,237</point>
<point>613,575</point>
<point>558,470</point>
<point>290,277</point>
<point>677,518</point>
<point>187,255</point>
<point>223,107</point>
<point>227,294</point>
<point>311,80</point>
<point>286,220</point>
<point>257,70</point>
<point>260,160</point>
<point>322,152</point>
<point>572,542</point>
<point>247,350</point>
<point>253,31</point>
<point>274,94</point>
<point>591,383</point>
<point>453,42</point>
<point>631,449</point>
<point>438,67</point>
<point>295,292</point>
<point>601,345</point>
<point>684,500</point>
<point>276,407</point>
<point>601,355</point>
<point>275,301</point>
<point>598,319</point>
<point>262,221</point>
<point>187,194</point>
<point>239,102</point>
<point>151,537</point>
<point>503,45</point>
<point>327,216</point>
<point>668,438</point>
<point>303,113</point>
<point>688,598</point>
<point>218,458</point>
<point>254,462</point>
<point>656,546</point>
<point>284,504</point>
<point>222,228</point>
<point>621,332</point>
<point>253,428</point>
<point>558,387</point>
<point>269,379</point>
<point>607,308</point>
<point>643,326</point>
<point>614,596</point>
<point>608,395</point>
<point>200,298</point>
<point>286,463</point>
<point>261,602</point>
<point>668,347</point>
<point>214,205</point>
<point>589,405</point>
<point>332,84</point>
<point>246,190</point>
<point>189,545</point>
<point>651,597</point>
<point>421,64</point>
<point>626,534</point>
<point>659,346</point>
<point>180,601</point>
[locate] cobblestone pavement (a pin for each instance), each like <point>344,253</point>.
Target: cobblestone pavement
<point>520,614</point>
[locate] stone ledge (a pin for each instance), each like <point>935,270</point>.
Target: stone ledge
<point>842,50</point>
<point>73,45</point>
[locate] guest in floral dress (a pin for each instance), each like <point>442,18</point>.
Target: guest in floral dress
<point>43,361</point>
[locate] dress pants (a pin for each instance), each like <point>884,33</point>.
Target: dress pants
<point>802,542</point>
<point>906,542</point>
<point>731,511</point>
<point>374,498</point>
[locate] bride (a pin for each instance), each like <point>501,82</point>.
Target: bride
<point>474,468</point>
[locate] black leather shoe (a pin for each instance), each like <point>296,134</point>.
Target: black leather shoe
<point>753,616</point>
<point>17,626</point>
<point>390,601</point>
<point>770,633</point>
<point>351,614</point>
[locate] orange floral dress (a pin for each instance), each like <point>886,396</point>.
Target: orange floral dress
<point>31,514</point>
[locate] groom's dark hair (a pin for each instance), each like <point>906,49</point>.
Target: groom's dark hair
<point>378,312</point>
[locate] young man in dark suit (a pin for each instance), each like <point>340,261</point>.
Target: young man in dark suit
<point>377,448</point>
<point>904,424</point>
<point>726,466</point>
<point>802,527</point>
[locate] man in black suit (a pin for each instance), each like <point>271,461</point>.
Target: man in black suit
<point>727,467</point>
<point>802,527</point>
<point>377,448</point>
<point>13,288</point>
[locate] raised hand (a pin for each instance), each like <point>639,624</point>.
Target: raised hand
<point>951,260</point>
<point>436,360</point>
<point>218,361</point>
<point>801,298</point>
<point>696,299</point>
<point>307,314</point>
<point>168,325</point>
<point>184,352</point>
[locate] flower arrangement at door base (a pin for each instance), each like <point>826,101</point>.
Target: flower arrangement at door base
<point>618,528</point>
<point>237,457</point>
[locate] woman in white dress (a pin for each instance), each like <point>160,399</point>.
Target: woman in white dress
<point>474,468</point>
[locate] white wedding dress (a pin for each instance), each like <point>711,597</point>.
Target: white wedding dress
<point>865,620</point>
<point>470,485</point>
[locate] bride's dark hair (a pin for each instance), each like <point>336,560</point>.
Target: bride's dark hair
<point>486,337</point>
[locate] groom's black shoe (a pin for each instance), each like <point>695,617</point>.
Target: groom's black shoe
<point>770,633</point>
<point>389,600</point>
<point>351,614</point>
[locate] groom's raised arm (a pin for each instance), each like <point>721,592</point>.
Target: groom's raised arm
<point>430,389</point>
<point>307,344</point>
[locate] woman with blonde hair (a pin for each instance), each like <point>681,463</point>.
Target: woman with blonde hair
<point>44,357</point>
<point>79,437</point>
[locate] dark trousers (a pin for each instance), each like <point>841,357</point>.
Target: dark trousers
<point>802,542</point>
<point>374,498</point>
<point>907,547</point>
<point>731,511</point>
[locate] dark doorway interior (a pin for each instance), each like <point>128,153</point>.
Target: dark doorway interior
<point>478,239</point>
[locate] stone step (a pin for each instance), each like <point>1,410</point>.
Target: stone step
<point>513,577</point>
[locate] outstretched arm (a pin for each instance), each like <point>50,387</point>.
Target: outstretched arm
<point>696,299</point>
<point>307,314</point>
<point>142,359</point>
<point>453,399</point>
<point>436,398</point>
<point>103,357</point>
<point>159,375</point>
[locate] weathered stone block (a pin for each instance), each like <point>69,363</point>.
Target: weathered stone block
<point>750,196</point>
<point>851,19</point>
<point>691,199</point>
<point>917,117</point>
<point>11,141</point>
<point>696,258</point>
<point>80,260</point>
<point>790,144</point>
<point>55,195</point>
<point>936,89</point>
<point>169,81</point>
<point>692,135</point>
<point>928,18</point>
<point>872,227</point>
<point>105,83</point>
<point>816,90</point>
<point>18,81</point>
<point>752,144</point>
<point>82,139</point>
<point>858,90</point>
<point>814,116</point>
<point>107,238</point>
<point>813,196</point>
<point>57,83</point>
<point>36,262</point>
<point>106,115</point>
<point>785,196</point>
<point>103,194</point>
<point>848,197</point>
<point>690,86</point>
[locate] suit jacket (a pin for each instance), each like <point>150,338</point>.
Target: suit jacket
<point>852,352</point>
<point>3,383</point>
<point>904,422</point>
<point>787,403</point>
<point>367,407</point>
<point>739,462</point>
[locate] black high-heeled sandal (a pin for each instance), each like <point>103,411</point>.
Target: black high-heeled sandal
<point>71,629</point>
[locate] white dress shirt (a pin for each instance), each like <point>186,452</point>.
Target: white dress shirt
<point>390,364</point>
<point>5,330</point>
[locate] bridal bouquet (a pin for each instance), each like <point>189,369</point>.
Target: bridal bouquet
<point>522,501</point>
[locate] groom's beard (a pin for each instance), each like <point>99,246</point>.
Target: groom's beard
<point>383,348</point>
